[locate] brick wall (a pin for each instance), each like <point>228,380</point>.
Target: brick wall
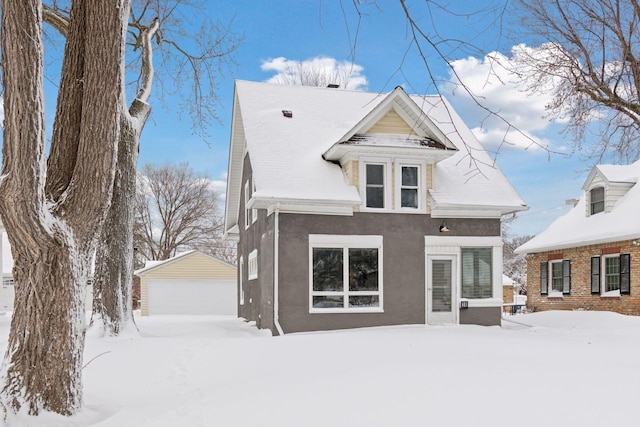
<point>580,297</point>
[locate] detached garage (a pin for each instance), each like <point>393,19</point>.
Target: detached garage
<point>189,283</point>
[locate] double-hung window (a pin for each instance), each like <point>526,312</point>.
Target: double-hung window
<point>408,186</point>
<point>555,277</point>
<point>596,200</point>
<point>375,184</point>
<point>250,215</point>
<point>345,273</point>
<point>392,184</point>
<point>611,274</point>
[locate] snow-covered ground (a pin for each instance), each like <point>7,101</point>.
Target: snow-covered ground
<point>567,368</point>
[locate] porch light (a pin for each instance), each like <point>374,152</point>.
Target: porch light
<point>444,228</point>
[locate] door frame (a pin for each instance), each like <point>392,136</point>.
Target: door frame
<point>439,318</point>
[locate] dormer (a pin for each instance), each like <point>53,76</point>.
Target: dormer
<point>389,155</point>
<point>605,185</point>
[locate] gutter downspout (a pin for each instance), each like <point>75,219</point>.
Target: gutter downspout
<point>276,274</point>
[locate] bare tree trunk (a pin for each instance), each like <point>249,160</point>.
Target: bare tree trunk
<point>114,258</point>
<point>53,229</point>
<point>46,343</point>
<point>113,276</point>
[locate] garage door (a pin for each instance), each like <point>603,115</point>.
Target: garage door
<point>192,296</point>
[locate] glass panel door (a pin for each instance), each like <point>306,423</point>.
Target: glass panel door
<point>441,290</point>
<point>441,285</point>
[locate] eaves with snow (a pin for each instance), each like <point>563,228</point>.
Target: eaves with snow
<point>297,137</point>
<point>579,227</point>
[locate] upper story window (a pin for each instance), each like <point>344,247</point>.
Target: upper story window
<point>408,186</point>
<point>375,185</point>
<point>393,184</point>
<point>596,199</point>
<point>250,215</point>
<point>247,197</point>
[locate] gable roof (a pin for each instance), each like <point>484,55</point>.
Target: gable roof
<point>575,228</point>
<point>612,174</point>
<point>286,153</point>
<point>155,265</point>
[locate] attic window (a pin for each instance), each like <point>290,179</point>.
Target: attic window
<point>596,196</point>
<point>287,113</point>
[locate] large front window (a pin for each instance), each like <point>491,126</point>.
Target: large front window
<point>477,273</point>
<point>346,273</point>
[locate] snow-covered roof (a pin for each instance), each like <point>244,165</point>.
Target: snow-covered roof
<point>576,228</point>
<point>612,174</point>
<point>469,178</point>
<point>286,153</point>
<point>152,264</point>
<point>507,281</point>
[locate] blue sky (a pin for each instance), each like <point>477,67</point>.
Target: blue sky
<point>279,31</point>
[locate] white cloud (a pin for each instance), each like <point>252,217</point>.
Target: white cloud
<point>318,71</point>
<point>494,82</point>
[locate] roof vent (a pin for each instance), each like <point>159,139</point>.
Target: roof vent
<point>333,86</point>
<point>287,113</point>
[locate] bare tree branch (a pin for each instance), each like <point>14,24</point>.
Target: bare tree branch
<point>588,60</point>
<point>175,210</point>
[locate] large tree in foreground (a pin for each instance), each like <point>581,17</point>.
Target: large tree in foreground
<point>589,59</point>
<point>190,61</point>
<point>54,209</point>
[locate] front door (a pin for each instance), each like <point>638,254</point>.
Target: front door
<point>441,290</point>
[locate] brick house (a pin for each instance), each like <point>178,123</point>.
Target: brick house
<point>355,209</point>
<point>590,258</point>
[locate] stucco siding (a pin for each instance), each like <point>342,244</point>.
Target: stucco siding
<point>403,262</point>
<point>259,237</point>
<point>483,316</point>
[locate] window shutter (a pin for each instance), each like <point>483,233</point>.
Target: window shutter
<point>566,276</point>
<point>625,273</point>
<point>595,275</point>
<point>544,281</point>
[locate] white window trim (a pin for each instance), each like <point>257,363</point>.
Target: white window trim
<point>240,281</point>
<point>362,167</point>
<point>253,265</point>
<point>452,245</point>
<point>346,242</point>
<point>550,291</point>
<point>422,167</point>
